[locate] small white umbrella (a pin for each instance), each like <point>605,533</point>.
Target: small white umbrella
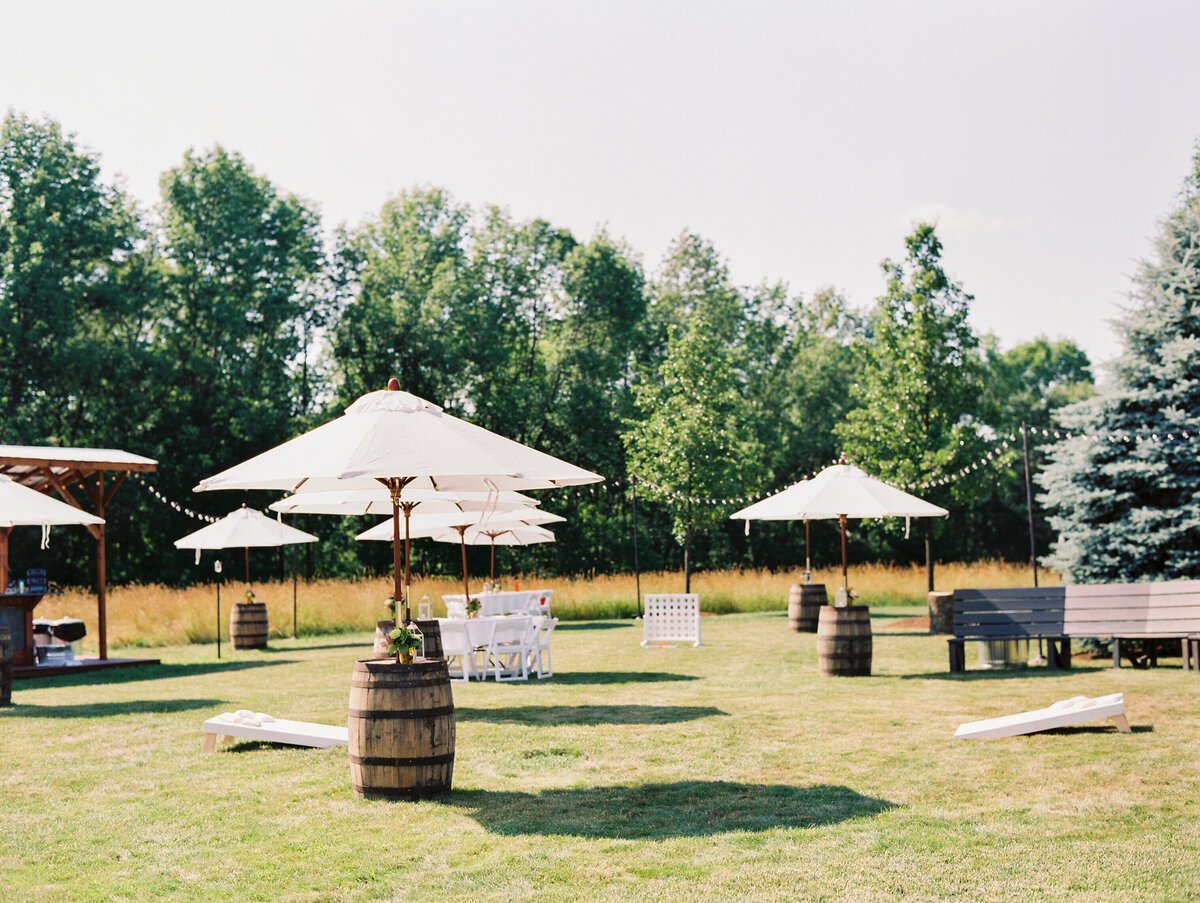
<point>405,443</point>
<point>243,529</point>
<point>498,531</point>
<point>840,491</point>
<point>22,506</point>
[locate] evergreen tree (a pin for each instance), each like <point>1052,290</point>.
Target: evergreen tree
<point>1125,494</point>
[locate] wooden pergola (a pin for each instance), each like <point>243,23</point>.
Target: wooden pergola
<point>50,469</point>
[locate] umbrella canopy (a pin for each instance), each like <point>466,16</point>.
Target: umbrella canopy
<point>395,435</point>
<point>20,505</point>
<point>406,443</point>
<point>493,533</point>
<point>378,500</point>
<point>840,491</point>
<point>243,528</point>
<point>423,524</point>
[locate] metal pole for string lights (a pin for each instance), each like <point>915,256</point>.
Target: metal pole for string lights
<point>637,574</point>
<point>1029,502</point>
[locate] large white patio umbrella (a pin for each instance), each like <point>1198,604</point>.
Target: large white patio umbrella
<point>378,500</point>
<point>517,526</point>
<point>243,528</point>
<point>22,506</point>
<point>400,441</point>
<point>840,491</point>
<point>494,533</point>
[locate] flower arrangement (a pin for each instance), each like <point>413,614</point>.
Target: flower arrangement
<point>390,604</point>
<point>403,641</point>
<point>473,607</point>
<point>250,595</point>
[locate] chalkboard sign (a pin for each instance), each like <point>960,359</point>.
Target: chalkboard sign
<point>35,581</point>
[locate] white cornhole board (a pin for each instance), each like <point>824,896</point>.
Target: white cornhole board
<point>257,726</point>
<point>1070,711</point>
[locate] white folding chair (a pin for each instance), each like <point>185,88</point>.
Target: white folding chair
<point>509,648</point>
<point>481,634</point>
<point>540,601</point>
<point>541,644</point>
<point>456,645</point>
<point>456,606</point>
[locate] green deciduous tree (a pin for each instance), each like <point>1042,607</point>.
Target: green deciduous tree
<point>691,444</point>
<point>1130,510</point>
<point>916,397</point>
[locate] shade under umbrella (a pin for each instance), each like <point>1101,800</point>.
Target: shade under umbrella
<point>840,491</point>
<point>403,442</point>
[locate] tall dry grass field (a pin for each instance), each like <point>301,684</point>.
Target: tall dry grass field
<point>155,615</point>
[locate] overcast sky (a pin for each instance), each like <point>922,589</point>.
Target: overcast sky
<point>1047,139</point>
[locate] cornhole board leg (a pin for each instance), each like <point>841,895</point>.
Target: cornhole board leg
<point>1070,711</point>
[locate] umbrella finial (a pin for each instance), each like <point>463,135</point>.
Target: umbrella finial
<point>393,385</point>
<point>842,458</point>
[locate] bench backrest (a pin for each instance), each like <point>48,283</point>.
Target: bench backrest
<point>671,618</point>
<point>1167,608</point>
<point>1020,611</point>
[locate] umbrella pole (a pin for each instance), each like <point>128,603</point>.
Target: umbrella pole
<point>408,507</point>
<point>246,552</point>
<point>397,565</point>
<point>845,581</point>
<point>218,617</point>
<point>492,572</point>
<point>807,559</point>
<point>462,542</point>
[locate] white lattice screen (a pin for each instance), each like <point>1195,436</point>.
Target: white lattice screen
<point>671,619</point>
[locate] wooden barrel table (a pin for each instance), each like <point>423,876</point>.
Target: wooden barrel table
<point>431,634</point>
<point>248,625</point>
<point>804,606</point>
<point>6,666</point>
<point>844,641</point>
<point>401,729</point>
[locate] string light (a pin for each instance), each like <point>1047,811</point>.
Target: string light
<point>195,515</point>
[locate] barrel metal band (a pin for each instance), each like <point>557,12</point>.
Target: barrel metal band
<point>444,759</point>
<point>401,714</point>
<point>393,793</point>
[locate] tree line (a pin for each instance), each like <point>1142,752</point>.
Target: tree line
<point>227,319</point>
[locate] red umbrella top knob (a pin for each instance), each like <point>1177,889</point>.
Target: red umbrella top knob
<point>393,385</point>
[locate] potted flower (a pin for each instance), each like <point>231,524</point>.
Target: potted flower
<point>250,595</point>
<point>403,641</point>
<point>382,628</point>
<point>473,607</point>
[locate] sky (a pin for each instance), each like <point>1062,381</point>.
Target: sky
<point>803,140</point>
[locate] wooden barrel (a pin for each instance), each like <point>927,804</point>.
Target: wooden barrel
<point>401,729</point>
<point>6,666</point>
<point>844,640</point>
<point>804,606</point>
<point>432,632</point>
<point>431,647</point>
<point>248,625</point>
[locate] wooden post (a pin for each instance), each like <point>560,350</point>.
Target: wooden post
<point>4,531</point>
<point>101,569</point>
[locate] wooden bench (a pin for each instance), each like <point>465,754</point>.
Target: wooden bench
<point>1058,614</point>
<point>1020,613</point>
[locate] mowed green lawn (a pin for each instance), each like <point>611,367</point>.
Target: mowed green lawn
<point>734,771</point>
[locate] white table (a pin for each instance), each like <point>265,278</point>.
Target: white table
<point>509,602</point>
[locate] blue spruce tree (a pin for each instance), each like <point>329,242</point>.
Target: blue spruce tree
<point>1124,491</point>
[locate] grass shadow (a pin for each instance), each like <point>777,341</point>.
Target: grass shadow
<point>662,811</point>
<point>105,709</point>
<point>545,715</point>
<point>1099,729</point>
<point>594,625</point>
<point>1001,673</point>
<point>145,672</point>
<point>361,644</point>
<point>618,677</point>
